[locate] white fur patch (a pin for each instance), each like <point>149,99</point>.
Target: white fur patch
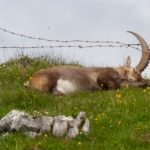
<point>65,86</point>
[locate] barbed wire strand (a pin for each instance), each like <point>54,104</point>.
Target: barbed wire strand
<point>67,46</point>
<point>62,41</point>
<point>109,43</point>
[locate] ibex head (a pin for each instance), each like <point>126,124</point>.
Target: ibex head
<point>129,73</point>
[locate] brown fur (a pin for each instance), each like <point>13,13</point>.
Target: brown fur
<point>84,78</point>
<point>44,81</point>
<point>109,79</point>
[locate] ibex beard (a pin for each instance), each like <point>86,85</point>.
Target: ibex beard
<point>62,80</point>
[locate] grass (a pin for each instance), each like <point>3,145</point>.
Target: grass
<point>119,120</point>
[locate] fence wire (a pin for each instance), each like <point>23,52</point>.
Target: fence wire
<point>83,43</point>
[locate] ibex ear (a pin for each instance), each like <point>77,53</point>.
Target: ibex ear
<point>128,61</point>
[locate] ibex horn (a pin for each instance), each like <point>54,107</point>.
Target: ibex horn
<point>145,53</point>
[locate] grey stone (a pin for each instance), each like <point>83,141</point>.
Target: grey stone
<point>73,132</point>
<point>86,126</point>
<point>45,123</point>
<point>59,126</point>
<point>17,120</point>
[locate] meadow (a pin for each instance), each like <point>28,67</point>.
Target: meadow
<point>119,120</point>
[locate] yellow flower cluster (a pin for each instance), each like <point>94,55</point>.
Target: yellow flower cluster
<point>119,122</point>
<point>30,78</point>
<point>118,95</point>
<point>45,135</point>
<point>79,143</point>
<point>147,90</point>
<point>98,116</point>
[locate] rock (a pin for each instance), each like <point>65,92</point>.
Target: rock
<point>73,132</point>
<point>59,126</point>
<point>18,120</point>
<point>76,123</point>
<point>45,123</point>
<point>86,126</point>
<point>79,119</point>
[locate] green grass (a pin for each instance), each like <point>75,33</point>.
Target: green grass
<point>119,120</point>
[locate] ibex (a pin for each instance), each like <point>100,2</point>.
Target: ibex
<point>61,80</point>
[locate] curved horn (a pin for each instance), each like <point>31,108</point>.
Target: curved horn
<point>145,53</point>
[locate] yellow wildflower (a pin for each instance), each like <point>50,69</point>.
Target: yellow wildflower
<point>96,119</point>
<point>118,95</point>
<point>119,122</point>
<point>79,143</point>
<point>30,78</point>
<point>45,135</point>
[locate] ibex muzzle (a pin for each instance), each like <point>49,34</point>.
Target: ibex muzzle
<point>62,80</point>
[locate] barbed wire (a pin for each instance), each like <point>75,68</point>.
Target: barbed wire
<point>112,44</point>
<point>64,41</point>
<point>65,46</point>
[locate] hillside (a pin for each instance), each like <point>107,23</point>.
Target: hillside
<point>119,120</point>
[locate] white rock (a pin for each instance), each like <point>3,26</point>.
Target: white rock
<point>86,126</point>
<point>73,132</point>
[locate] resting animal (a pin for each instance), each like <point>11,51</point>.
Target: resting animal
<point>62,80</point>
